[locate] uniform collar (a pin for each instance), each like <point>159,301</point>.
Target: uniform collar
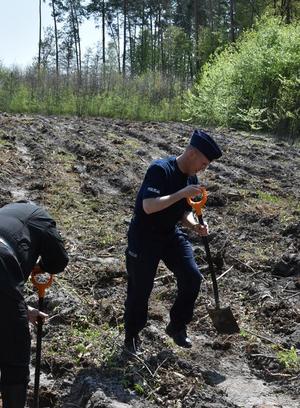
<point>183,175</point>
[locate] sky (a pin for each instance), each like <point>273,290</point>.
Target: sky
<point>19,31</point>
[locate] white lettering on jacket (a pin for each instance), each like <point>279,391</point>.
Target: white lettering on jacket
<point>154,190</point>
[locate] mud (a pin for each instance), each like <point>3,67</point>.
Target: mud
<point>86,172</point>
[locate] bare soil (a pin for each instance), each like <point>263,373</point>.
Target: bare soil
<point>86,172</point>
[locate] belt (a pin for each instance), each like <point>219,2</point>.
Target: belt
<point>148,227</point>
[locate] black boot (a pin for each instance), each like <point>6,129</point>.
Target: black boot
<point>13,396</point>
<point>179,336</point>
<point>131,344</point>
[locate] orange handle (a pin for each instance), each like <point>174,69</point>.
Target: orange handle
<point>198,205</point>
<point>41,286</point>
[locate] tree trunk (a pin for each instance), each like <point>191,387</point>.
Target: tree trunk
<point>131,46</point>
<point>152,42</point>
<point>286,10</point>
<point>78,41</point>
<point>124,36</point>
<point>56,39</point>
<point>156,42</point>
<point>75,38</point>
<point>103,34</point>
<point>118,43</point>
<point>75,26</point>
<point>161,41</point>
<point>252,12</point>
<point>197,28</point>
<point>211,16</point>
<point>142,57</point>
<point>232,14</point>
<point>40,36</point>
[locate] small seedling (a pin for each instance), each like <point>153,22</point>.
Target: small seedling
<point>289,358</point>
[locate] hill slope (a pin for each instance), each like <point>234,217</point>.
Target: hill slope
<point>86,173</point>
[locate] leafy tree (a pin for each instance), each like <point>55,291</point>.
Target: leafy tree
<point>254,84</point>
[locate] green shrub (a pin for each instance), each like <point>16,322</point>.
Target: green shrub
<point>253,83</point>
<point>289,359</point>
<point>21,101</point>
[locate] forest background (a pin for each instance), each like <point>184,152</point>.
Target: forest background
<point>215,62</point>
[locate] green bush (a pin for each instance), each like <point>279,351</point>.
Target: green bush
<point>254,83</point>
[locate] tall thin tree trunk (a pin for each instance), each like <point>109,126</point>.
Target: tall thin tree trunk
<point>124,36</point>
<point>152,41</point>
<point>155,43</point>
<point>103,34</point>
<point>232,24</point>
<point>211,16</point>
<point>75,38</point>
<point>118,42</point>
<point>78,40</point>
<point>142,58</point>
<point>56,39</point>
<point>40,36</point>
<point>252,12</point>
<point>286,8</point>
<point>161,41</point>
<point>75,25</point>
<point>131,46</point>
<point>197,28</point>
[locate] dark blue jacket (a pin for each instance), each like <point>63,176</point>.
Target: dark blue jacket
<point>162,178</point>
<point>30,232</point>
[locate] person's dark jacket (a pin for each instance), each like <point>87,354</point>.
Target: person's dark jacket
<point>31,233</point>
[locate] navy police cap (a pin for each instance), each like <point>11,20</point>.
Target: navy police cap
<point>205,143</point>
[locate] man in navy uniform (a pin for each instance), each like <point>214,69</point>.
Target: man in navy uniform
<point>27,232</point>
<point>154,235</point>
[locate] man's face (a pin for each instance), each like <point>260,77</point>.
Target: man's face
<point>199,162</point>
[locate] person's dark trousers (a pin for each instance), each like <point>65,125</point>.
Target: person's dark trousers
<point>141,270</point>
<point>13,396</point>
<point>142,258</point>
<point>13,385</point>
<point>179,258</point>
<point>14,351</point>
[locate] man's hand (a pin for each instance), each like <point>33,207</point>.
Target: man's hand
<point>192,190</point>
<point>190,222</point>
<point>33,315</point>
<point>201,230</point>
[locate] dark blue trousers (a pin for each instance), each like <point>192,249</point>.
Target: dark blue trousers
<point>15,335</point>
<point>143,254</point>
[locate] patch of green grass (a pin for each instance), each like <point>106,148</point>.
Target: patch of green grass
<point>287,208</point>
<point>93,343</point>
<point>105,238</point>
<point>135,144</point>
<point>139,389</point>
<point>269,198</point>
<point>247,336</point>
<point>289,359</point>
<point>3,140</point>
